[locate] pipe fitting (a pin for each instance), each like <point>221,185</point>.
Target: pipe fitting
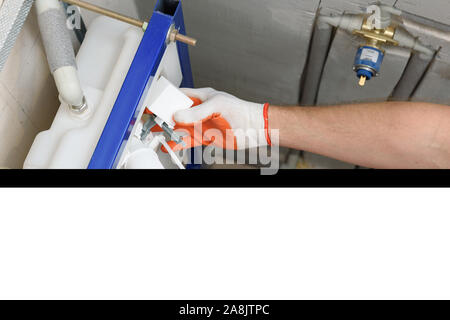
<point>81,109</point>
<point>69,86</point>
<point>174,35</point>
<point>347,22</point>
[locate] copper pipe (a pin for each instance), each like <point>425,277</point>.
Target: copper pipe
<point>174,36</point>
<point>185,39</point>
<point>177,36</point>
<point>108,13</point>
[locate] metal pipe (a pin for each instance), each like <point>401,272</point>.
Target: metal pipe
<point>108,13</point>
<point>185,39</point>
<point>175,35</point>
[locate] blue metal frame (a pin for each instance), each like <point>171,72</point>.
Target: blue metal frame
<point>138,81</point>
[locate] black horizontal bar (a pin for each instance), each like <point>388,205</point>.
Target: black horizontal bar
<point>224,178</point>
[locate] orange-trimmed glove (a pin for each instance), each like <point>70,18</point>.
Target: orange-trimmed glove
<point>222,120</point>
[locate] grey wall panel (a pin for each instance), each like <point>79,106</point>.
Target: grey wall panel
<point>339,83</point>
<point>435,40</point>
<point>416,68</point>
<point>435,84</point>
<point>348,6</point>
<point>255,49</point>
<point>317,57</point>
<point>437,10</point>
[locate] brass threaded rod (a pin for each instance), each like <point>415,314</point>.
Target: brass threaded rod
<point>185,39</point>
<point>106,12</point>
<point>175,35</point>
<point>135,22</point>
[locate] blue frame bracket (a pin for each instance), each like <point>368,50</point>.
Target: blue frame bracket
<point>138,81</point>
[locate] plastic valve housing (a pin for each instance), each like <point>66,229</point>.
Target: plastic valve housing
<point>368,62</point>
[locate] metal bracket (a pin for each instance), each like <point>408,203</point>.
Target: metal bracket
<point>129,102</point>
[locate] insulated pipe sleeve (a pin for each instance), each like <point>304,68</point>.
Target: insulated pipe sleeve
<point>52,23</point>
<point>406,40</point>
<point>348,22</point>
<point>317,58</point>
<point>59,50</point>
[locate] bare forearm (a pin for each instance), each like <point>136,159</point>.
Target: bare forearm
<point>380,135</point>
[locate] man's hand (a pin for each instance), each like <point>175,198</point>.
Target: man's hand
<point>223,120</point>
<point>404,135</point>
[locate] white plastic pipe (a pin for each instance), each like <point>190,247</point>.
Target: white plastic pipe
<point>60,55</point>
<point>425,29</point>
<point>347,22</point>
<point>406,40</point>
<point>69,87</point>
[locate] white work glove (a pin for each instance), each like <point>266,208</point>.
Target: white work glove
<point>242,124</point>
